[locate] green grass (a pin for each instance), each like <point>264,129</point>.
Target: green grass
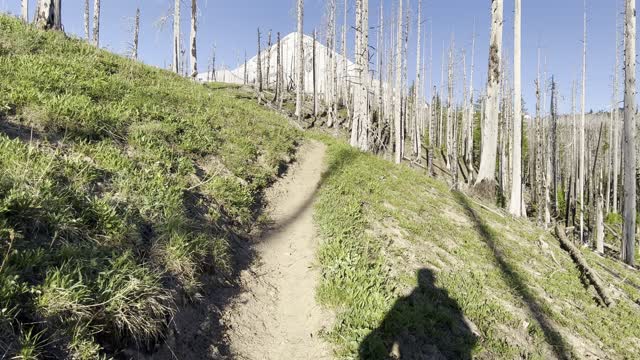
<point>405,260</point>
<point>121,186</point>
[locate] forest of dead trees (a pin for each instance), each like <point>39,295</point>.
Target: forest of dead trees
<point>576,169</point>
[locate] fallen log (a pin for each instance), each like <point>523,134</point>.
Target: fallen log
<point>613,232</point>
<point>577,257</point>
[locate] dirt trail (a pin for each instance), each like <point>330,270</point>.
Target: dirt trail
<point>276,315</point>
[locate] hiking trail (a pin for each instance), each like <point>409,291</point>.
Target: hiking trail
<point>276,315</point>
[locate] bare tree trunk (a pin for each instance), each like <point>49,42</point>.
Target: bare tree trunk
<point>515,207</point>
<point>279,75</point>
<point>259,67</point>
<point>398,92</point>
<point>574,153</point>
<point>45,16</point>
<point>345,84</point>
<point>552,150</point>
<point>470,115</point>
<point>96,23</point>
<point>441,100</point>
<point>404,86</point>
<point>432,134</point>
<point>57,17</point>
<point>269,45</point>
<point>607,199</point>
<point>616,132</point>
<point>539,153</point>
<point>452,146</point>
<point>87,34</point>
<point>599,240</point>
<point>416,138</point>
<point>331,86</point>
<point>450,128</point>
<point>315,80</point>
<point>246,73</point>
<point>176,37</point>
<point>25,10</point>
<point>490,133</point>
<point>629,204</point>
<point>381,110</point>
<point>582,125</point>
<point>211,76</point>
<point>300,61</point>
<point>193,61</point>
<point>360,129</point>
<point>136,34</point>
<point>356,119</point>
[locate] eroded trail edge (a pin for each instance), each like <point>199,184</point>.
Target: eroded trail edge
<point>276,315</point>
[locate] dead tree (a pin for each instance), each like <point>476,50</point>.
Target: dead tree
<point>616,139</point>
<point>540,164</point>
<point>57,17</point>
<point>212,72</point>
<point>470,115</point>
<point>582,125</point>
<point>87,33</point>
<point>331,77</point>
<point>553,150</point>
<point>279,81</point>
<point>404,84</point>
<point>345,81</point>
<point>300,61</point>
<point>452,145</point>
<point>25,10</point>
<point>487,170</point>
<point>246,73</point>
<point>269,44</point>
<point>450,127</point>
<point>584,268</point>
<point>417,142</point>
<point>629,153</point>
<point>516,205</point>
<point>315,74</point>
<point>96,23</point>
<point>599,239</point>
<point>360,124</point>
<point>45,15</point>
<point>432,133</point>
<point>398,90</point>
<point>381,112</point>
<point>193,61</point>
<point>136,34</point>
<point>610,203</point>
<point>259,66</point>
<point>176,37</point>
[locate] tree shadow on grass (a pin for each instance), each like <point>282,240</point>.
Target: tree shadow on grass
<point>426,324</point>
<point>552,336</point>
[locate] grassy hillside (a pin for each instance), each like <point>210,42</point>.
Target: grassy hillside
<point>121,185</point>
<point>407,261</point>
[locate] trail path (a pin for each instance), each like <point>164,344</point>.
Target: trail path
<point>276,315</point>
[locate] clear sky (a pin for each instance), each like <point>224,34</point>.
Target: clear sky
<point>554,26</point>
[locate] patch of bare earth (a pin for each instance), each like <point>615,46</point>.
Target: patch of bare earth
<point>276,316</point>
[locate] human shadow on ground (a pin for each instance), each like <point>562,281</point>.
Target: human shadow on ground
<point>426,324</point>
<point>552,336</point>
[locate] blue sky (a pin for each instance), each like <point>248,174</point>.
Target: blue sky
<point>554,26</point>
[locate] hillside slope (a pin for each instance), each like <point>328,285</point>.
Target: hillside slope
<point>416,271</point>
<point>124,192</point>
